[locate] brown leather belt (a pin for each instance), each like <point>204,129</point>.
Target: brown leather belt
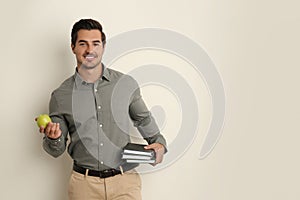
<point>102,174</point>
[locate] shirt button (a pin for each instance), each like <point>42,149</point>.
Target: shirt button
<point>101,144</point>
<point>99,107</point>
<point>101,162</point>
<point>100,125</point>
<point>96,90</point>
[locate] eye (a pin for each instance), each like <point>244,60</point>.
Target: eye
<point>97,44</point>
<point>81,44</point>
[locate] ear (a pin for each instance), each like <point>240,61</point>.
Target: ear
<point>73,48</point>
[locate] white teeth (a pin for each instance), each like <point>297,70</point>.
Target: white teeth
<point>90,57</point>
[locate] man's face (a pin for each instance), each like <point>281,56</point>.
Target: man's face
<point>88,48</point>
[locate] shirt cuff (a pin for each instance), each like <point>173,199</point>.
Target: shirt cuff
<point>54,141</point>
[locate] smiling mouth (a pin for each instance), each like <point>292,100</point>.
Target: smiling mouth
<point>90,57</point>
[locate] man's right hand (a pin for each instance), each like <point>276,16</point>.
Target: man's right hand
<point>52,130</point>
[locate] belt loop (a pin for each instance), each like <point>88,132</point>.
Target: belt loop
<point>86,172</point>
<point>121,169</point>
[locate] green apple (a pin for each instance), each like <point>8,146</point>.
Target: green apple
<point>43,120</point>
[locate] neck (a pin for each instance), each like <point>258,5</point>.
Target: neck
<point>90,75</point>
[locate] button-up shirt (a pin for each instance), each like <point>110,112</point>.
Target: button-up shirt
<point>97,118</point>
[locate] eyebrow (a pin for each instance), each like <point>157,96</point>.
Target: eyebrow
<point>94,41</point>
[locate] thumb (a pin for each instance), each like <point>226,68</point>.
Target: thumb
<point>150,146</point>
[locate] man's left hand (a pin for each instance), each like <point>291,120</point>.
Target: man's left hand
<point>159,151</point>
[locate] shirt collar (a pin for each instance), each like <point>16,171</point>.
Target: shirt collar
<point>105,73</point>
<point>79,80</point>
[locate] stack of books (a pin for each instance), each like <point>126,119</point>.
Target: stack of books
<point>136,153</point>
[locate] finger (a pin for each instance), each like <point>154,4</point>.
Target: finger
<point>150,146</point>
<point>55,131</point>
<point>42,130</point>
<point>159,157</point>
<point>52,130</point>
<point>48,128</point>
<point>158,160</point>
<point>156,147</point>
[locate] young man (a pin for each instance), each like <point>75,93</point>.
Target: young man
<point>93,106</point>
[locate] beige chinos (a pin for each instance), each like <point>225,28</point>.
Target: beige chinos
<point>125,186</point>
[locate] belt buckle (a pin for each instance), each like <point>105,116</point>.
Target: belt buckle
<point>106,173</point>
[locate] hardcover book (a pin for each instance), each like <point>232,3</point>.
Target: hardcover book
<point>138,149</point>
<point>136,157</point>
<point>140,161</point>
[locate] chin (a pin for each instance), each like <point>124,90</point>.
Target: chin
<point>89,66</point>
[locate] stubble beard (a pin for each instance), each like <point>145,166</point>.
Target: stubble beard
<point>90,66</point>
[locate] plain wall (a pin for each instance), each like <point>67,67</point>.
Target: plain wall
<point>255,47</point>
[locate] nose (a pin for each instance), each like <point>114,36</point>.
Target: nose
<point>90,48</point>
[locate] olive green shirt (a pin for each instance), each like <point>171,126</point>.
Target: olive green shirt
<point>97,117</point>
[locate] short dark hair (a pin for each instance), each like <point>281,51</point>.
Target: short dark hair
<point>87,24</point>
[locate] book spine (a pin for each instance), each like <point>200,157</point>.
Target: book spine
<point>139,152</point>
<point>137,157</point>
<point>140,161</point>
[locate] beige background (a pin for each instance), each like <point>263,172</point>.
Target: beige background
<point>255,46</point>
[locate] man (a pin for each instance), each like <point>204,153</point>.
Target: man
<point>93,107</point>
